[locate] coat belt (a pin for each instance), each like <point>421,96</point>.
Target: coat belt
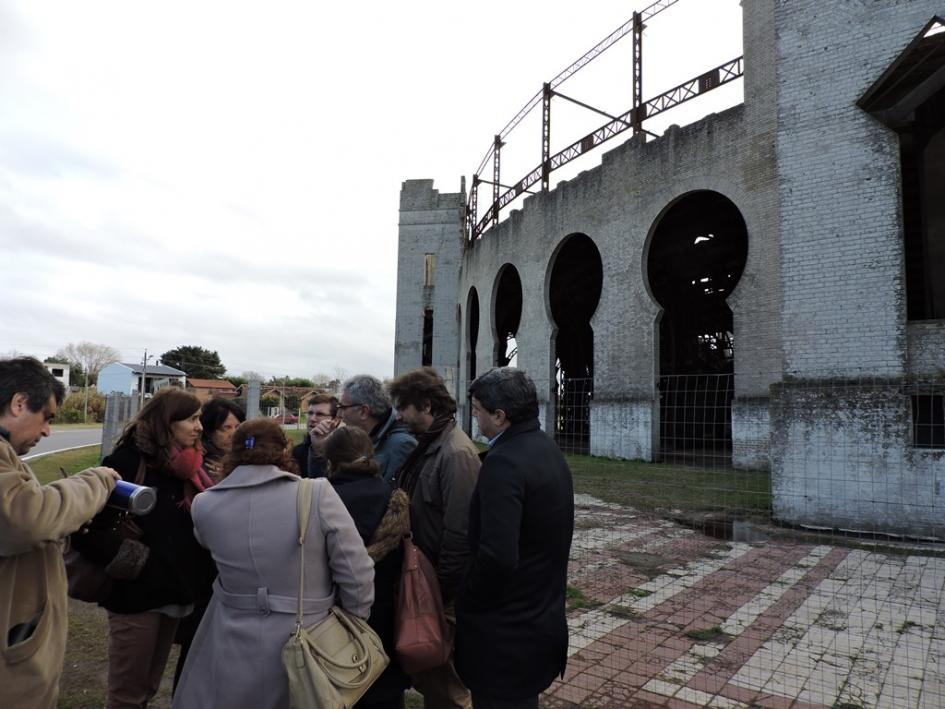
<point>265,603</point>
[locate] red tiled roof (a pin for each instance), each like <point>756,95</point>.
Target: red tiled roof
<point>210,384</point>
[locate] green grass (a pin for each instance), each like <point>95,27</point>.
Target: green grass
<point>708,634</point>
<point>47,467</point>
<point>295,435</point>
<point>904,628</point>
<point>671,488</point>
<point>576,599</point>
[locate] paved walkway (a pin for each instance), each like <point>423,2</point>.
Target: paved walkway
<point>664,616</point>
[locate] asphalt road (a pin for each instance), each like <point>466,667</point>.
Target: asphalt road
<point>66,438</point>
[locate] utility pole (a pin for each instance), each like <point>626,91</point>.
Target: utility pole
<point>85,416</point>
<point>144,379</point>
<point>282,401</point>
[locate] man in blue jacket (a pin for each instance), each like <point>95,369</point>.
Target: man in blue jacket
<point>366,404</point>
<point>511,632</point>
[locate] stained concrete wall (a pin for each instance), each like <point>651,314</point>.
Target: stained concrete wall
<point>842,458</point>
<point>926,346</point>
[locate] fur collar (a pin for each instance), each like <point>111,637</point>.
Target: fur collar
<point>394,525</point>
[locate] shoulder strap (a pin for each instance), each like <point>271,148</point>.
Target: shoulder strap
<point>304,500</point>
<point>139,476</point>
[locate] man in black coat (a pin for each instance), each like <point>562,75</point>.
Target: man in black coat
<point>511,632</point>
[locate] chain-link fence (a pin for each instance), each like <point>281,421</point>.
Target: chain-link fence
<point>767,551</point>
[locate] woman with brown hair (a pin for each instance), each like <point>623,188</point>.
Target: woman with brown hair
<point>156,577</point>
<point>249,522</point>
<point>382,517</point>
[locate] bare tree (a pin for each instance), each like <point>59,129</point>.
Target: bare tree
<point>90,356</point>
<point>321,380</point>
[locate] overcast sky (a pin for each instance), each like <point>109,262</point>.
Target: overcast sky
<point>227,174</point>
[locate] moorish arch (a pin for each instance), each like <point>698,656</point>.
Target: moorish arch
<point>696,254</point>
<point>574,287</point>
<point>506,315</point>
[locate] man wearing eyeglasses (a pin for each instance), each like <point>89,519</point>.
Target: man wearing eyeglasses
<point>365,404</point>
<point>321,419</point>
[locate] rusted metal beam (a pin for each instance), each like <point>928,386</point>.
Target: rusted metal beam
<point>686,91</point>
<point>545,136</point>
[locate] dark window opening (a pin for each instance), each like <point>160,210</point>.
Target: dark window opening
<point>909,98</point>
<point>426,353</point>
<point>472,339</point>
<point>574,292</point>
<point>508,315</point>
<point>696,258</point>
<point>928,420</point>
<point>922,149</point>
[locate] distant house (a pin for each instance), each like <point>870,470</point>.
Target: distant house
<point>125,378</point>
<point>208,388</point>
<point>60,370</point>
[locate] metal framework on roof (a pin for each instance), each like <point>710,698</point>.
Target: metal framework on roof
<point>503,195</point>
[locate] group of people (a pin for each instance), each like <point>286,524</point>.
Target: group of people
<point>214,567</point>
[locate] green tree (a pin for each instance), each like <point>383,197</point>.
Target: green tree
<point>195,361</point>
<point>76,373</point>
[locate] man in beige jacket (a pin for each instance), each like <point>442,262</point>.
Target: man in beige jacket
<point>34,521</point>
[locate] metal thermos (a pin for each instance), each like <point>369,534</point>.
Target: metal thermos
<point>136,499</point>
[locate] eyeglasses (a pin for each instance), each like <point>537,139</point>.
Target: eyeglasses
<point>342,407</point>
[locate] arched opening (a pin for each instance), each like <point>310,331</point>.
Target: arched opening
<point>574,289</point>
<point>472,332</point>
<point>472,338</point>
<point>696,256</point>
<point>507,314</point>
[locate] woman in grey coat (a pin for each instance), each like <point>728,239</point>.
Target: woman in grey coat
<point>248,521</point>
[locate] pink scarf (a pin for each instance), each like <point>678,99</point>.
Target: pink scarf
<point>187,464</point>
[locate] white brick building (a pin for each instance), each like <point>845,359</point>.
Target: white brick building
<point>818,207</point>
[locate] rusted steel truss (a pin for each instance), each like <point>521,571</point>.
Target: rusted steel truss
<point>633,118</point>
<point>686,91</point>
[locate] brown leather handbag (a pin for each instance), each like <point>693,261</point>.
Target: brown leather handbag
<point>86,579</point>
<point>421,636</point>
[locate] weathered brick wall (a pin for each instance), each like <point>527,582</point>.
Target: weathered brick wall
<point>430,223</point>
<point>821,299</point>
<point>842,454</point>
<point>841,235</point>
<point>926,349</point>
<point>842,458</point>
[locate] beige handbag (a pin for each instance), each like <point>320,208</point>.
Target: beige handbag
<point>333,663</point>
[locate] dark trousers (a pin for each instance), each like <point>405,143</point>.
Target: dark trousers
<point>480,702</point>
<point>138,646</point>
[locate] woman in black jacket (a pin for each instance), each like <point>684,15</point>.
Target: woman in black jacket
<point>219,419</point>
<point>382,517</point>
<point>157,576</point>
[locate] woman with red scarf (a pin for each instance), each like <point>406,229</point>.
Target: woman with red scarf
<point>159,576</point>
